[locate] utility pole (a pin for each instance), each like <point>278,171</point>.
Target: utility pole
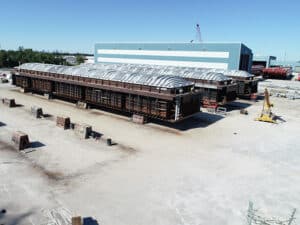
<point>284,58</point>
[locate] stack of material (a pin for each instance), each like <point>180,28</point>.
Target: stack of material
<point>21,140</point>
<point>83,131</point>
<point>63,122</point>
<point>76,220</point>
<point>281,88</point>
<point>37,112</point>
<point>138,119</point>
<point>9,102</point>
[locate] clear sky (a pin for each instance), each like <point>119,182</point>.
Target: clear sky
<point>266,26</point>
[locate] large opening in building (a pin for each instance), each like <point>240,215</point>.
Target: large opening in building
<point>259,63</point>
<point>244,62</point>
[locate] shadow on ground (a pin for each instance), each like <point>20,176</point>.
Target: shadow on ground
<point>90,221</point>
<point>33,147</point>
<point>237,106</point>
<point>2,124</point>
<point>46,115</point>
<point>7,218</point>
<point>279,118</point>
<point>96,135</point>
<point>18,105</point>
<point>200,120</point>
<point>36,144</point>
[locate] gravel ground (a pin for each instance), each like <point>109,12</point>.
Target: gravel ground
<point>202,171</point>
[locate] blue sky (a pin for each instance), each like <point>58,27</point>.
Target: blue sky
<point>267,27</point>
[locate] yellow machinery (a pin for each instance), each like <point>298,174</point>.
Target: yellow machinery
<point>266,114</point>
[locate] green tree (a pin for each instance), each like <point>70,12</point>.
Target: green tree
<point>22,55</point>
<point>80,59</point>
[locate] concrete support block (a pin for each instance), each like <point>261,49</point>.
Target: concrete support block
<point>10,102</point>
<point>63,122</point>
<point>24,90</point>
<point>138,119</point>
<point>21,140</point>
<point>3,80</point>
<point>36,111</point>
<point>81,105</point>
<point>47,96</point>
<point>83,131</point>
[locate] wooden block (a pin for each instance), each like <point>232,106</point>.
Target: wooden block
<point>21,140</point>
<point>63,122</point>
<point>76,220</point>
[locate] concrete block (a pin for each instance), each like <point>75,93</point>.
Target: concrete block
<point>83,131</point>
<point>10,102</point>
<point>47,96</point>
<point>63,122</point>
<point>21,140</point>
<point>81,105</point>
<point>24,90</point>
<point>109,141</point>
<point>36,111</point>
<point>138,119</point>
<point>4,80</point>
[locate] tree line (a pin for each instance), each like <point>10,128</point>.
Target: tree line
<point>12,58</point>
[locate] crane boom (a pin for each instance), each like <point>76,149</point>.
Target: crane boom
<point>199,36</point>
<point>266,114</point>
<point>267,99</point>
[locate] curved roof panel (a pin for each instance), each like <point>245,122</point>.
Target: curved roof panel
<point>231,73</point>
<point>185,72</point>
<point>238,73</point>
<point>156,80</point>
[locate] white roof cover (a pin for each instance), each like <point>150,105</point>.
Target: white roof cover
<point>232,73</point>
<point>185,72</point>
<point>135,77</point>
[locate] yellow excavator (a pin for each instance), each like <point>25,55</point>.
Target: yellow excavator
<point>266,113</point>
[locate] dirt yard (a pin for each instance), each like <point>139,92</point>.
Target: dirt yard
<point>201,171</point>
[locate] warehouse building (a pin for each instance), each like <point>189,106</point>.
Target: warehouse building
<point>229,56</point>
<point>265,61</point>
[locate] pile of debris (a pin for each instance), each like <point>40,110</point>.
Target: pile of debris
<point>279,88</point>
